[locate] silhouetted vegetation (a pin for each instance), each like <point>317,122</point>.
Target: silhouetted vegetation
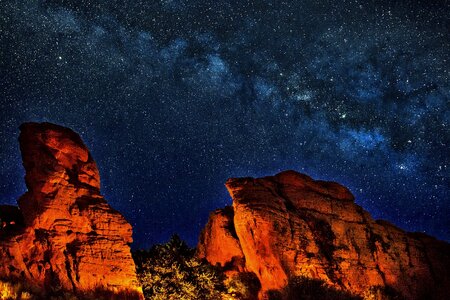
<point>16,290</point>
<point>385,293</point>
<point>303,288</point>
<point>243,286</point>
<point>171,271</point>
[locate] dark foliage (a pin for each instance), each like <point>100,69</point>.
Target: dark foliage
<point>171,271</point>
<point>303,288</point>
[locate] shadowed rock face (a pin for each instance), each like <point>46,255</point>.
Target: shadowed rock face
<point>72,239</point>
<point>290,225</point>
<point>11,219</point>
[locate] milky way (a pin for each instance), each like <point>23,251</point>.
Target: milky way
<point>173,97</point>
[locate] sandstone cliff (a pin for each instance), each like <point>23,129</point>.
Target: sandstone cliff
<point>66,238</point>
<point>290,225</point>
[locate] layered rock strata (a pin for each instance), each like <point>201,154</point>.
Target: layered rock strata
<point>290,225</point>
<point>71,239</point>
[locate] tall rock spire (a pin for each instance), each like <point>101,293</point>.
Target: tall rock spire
<point>72,239</point>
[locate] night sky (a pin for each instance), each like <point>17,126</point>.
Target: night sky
<point>173,97</point>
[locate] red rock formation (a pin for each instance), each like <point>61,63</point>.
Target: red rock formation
<point>290,225</point>
<point>220,243</point>
<point>72,239</point>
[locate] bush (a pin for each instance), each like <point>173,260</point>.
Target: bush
<point>14,291</point>
<point>383,293</point>
<point>311,289</point>
<point>171,271</point>
<point>243,286</point>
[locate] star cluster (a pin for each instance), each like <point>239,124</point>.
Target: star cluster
<point>175,96</point>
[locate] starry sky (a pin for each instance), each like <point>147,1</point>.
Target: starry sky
<point>173,97</point>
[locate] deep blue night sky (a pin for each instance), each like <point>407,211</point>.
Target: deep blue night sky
<point>174,96</point>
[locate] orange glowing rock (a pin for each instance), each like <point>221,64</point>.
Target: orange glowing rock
<point>290,225</point>
<point>220,245</point>
<point>72,240</point>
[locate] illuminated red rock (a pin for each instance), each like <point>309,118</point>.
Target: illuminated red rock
<point>71,240</point>
<point>219,242</point>
<point>290,225</point>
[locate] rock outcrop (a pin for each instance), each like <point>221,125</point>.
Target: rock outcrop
<point>289,225</point>
<point>70,239</point>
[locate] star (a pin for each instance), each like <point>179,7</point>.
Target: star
<point>175,97</point>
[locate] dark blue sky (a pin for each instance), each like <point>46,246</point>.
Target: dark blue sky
<point>175,96</point>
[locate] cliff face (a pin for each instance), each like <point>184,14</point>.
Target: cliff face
<point>70,238</point>
<point>290,225</point>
